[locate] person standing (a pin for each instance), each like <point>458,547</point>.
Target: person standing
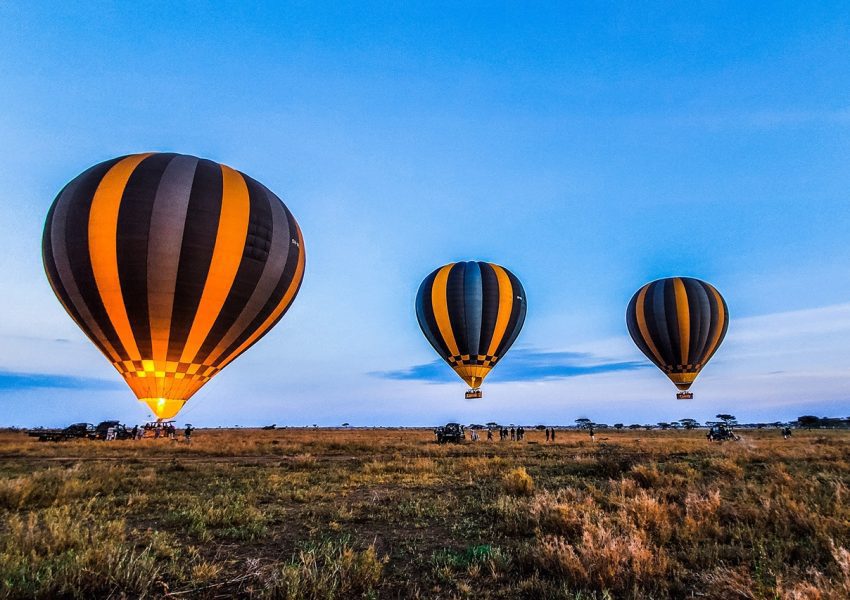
<point>489,435</point>
<point>592,435</point>
<point>552,435</point>
<point>187,433</point>
<point>547,434</point>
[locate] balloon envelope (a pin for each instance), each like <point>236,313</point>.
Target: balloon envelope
<point>471,313</point>
<point>173,266</point>
<point>678,323</point>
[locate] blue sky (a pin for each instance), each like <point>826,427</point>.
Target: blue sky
<point>589,148</point>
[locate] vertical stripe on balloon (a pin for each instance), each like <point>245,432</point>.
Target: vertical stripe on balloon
<point>166,235</point>
<point>227,254</point>
<point>440,305</point>
<point>103,249</point>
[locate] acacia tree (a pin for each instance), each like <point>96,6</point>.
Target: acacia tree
<point>808,421</point>
<point>728,420</point>
<point>584,423</point>
<point>689,423</point>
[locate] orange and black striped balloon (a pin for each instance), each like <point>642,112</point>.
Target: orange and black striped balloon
<point>173,266</point>
<point>678,323</point>
<point>471,313</point>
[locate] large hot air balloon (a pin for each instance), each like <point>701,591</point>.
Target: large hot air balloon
<point>173,266</point>
<point>678,323</point>
<point>471,313</point>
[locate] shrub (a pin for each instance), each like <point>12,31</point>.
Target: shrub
<point>60,553</point>
<point>563,513</point>
<point>513,515</point>
<point>604,560</point>
<point>652,516</point>
<point>518,482</point>
<point>327,571</point>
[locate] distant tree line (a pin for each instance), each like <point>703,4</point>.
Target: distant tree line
<point>803,422</point>
<point>813,422</point>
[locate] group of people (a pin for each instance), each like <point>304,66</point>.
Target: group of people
<point>162,430</point>
<point>158,430</point>
<point>515,434</point>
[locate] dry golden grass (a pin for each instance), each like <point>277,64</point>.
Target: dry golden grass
<point>517,482</point>
<point>301,513</point>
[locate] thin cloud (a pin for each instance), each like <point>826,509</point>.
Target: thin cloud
<point>762,119</point>
<point>523,365</point>
<point>15,381</point>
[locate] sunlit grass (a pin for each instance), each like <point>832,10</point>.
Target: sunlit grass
<point>299,513</point>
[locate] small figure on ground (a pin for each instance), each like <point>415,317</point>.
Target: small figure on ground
<point>513,434</point>
<point>187,433</point>
<point>134,435</point>
<point>547,434</point>
<point>592,434</point>
<point>489,435</point>
<point>786,433</point>
<point>552,435</point>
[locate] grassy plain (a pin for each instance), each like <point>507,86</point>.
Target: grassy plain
<point>324,514</point>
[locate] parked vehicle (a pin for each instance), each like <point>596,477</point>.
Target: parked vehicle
<point>71,432</point>
<point>121,432</point>
<point>721,433</point>
<point>451,432</point>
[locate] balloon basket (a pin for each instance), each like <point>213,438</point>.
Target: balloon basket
<point>474,393</point>
<point>685,396</point>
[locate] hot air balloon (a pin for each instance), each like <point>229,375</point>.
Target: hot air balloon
<point>678,323</point>
<point>471,313</point>
<point>173,266</point>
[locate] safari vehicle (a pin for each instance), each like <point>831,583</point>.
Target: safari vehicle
<point>720,432</point>
<point>451,432</point>
<point>121,431</point>
<point>71,432</point>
